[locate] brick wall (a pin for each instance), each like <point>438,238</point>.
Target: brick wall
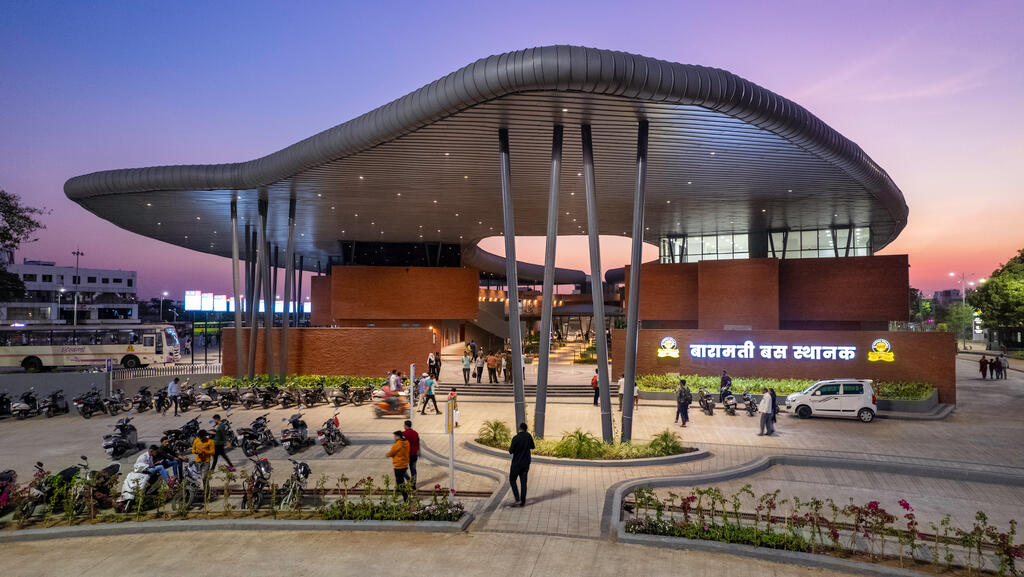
<point>861,289</point>
<point>923,357</point>
<point>667,291</point>
<point>320,297</point>
<point>739,293</point>
<point>359,351</point>
<point>378,293</point>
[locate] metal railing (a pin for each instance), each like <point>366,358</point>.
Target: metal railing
<point>172,370</point>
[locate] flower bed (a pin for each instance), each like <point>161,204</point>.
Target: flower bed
<point>884,390</point>
<point>824,527</point>
<point>583,445</point>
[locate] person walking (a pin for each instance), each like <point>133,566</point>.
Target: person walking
<point>507,364</point>
<point>683,399</point>
<point>593,385</point>
<point>765,408</point>
<point>220,443</point>
<point>466,366</point>
<point>473,349</point>
<point>174,393</point>
<point>520,449</point>
<point>414,449</point>
<point>428,395</point>
<point>775,407</point>
<point>503,363</point>
<point>437,366</point>
<point>430,364</point>
<point>203,448</point>
<point>983,367</point>
<point>399,455</point>
<point>479,367</point>
<point>492,369</point>
<point>1004,365</point>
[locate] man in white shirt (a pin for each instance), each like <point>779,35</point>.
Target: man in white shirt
<point>765,408</point>
<point>146,458</point>
<point>173,392</point>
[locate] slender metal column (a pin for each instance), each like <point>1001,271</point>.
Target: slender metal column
<point>276,263</point>
<point>597,284</point>
<point>268,295</point>
<point>236,294</point>
<point>514,334</point>
<point>547,296</point>
<point>636,258</point>
<point>298,295</point>
<point>254,302</point>
<point>289,271</point>
<point>248,270</point>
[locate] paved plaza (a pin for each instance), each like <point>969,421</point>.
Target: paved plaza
<point>984,434</point>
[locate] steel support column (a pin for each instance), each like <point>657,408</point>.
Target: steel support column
<point>268,295</point>
<point>248,267</point>
<point>236,294</point>
<point>515,337</point>
<point>636,259</point>
<point>547,297</point>
<point>289,271</point>
<point>257,283</point>
<point>596,284</point>
<point>300,308</point>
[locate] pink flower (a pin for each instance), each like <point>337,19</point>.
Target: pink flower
<point>437,487</point>
<point>906,506</point>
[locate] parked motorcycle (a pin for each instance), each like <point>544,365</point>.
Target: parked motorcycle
<point>143,400</point>
<point>749,404</point>
<point>256,436</point>
<point>5,403</point>
<point>268,396</point>
<point>295,485</point>
<point>90,403</point>
<point>296,436</point>
<point>288,397</point>
<point>728,402</point>
<point>232,437</point>
<point>26,405</point>
<point>8,485</point>
<point>707,404</point>
<point>123,440</point>
<point>313,395</point>
<point>119,401</point>
<point>228,397</point>
<point>255,486</point>
<point>182,437</point>
<point>188,488</point>
<point>54,403</point>
<point>44,484</point>
<point>340,396</point>
<point>206,398</point>
<point>186,396</point>
<point>250,397</point>
<point>161,402</point>
<point>330,435</point>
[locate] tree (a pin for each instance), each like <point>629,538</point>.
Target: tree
<point>18,224</point>
<point>1001,297</point>
<point>920,308</point>
<point>960,317</point>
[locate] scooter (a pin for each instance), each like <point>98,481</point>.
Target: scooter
<point>26,405</point>
<point>186,396</point>
<point>393,405</point>
<point>297,435</point>
<point>749,405</point>
<point>206,398</point>
<point>288,397</point>
<point>125,439</point>
<point>256,436</point>
<point>728,402</point>
<point>250,397</point>
<point>268,396</point>
<point>295,485</point>
<point>706,403</point>
<point>54,403</point>
<point>228,397</point>
<point>256,485</point>
<point>143,400</point>
<point>314,395</point>
<point>330,435</point>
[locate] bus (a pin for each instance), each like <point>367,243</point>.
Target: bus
<point>36,347</point>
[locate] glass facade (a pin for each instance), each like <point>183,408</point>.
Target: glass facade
<point>819,243</point>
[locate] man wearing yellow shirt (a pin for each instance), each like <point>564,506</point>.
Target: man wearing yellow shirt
<point>399,454</point>
<point>203,449</point>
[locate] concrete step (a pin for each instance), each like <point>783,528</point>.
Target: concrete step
<point>506,390</point>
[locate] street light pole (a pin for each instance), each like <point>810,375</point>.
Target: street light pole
<point>162,306</point>
<point>78,253</point>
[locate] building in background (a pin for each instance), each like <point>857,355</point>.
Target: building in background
<point>104,296</point>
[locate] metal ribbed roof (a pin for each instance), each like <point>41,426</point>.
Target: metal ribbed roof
<point>725,156</point>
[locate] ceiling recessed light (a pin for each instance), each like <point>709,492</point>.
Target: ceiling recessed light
<point>712,154</point>
<point>197,218</point>
<point>360,177</point>
<point>438,230</point>
<point>421,236</point>
<point>332,208</point>
<point>764,210</point>
<point>456,214</point>
<point>239,197</point>
<point>572,194</point>
<point>835,215</point>
<point>566,214</point>
<point>399,194</point>
<point>460,236</point>
<point>159,223</point>
<point>668,202</point>
<point>372,223</point>
<point>357,215</point>
<point>421,226</point>
<point>479,222</point>
<point>579,174</point>
<point>435,202</point>
<point>790,190</point>
<point>446,154</point>
<point>565,110</point>
<point>302,234</point>
<point>574,220</point>
<point>319,195</point>
<point>186,236</point>
<point>689,182</point>
<point>465,176</point>
<point>149,204</point>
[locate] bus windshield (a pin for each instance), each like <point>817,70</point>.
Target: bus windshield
<point>171,337</point>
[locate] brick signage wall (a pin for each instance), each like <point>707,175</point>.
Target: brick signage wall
<point>923,357</point>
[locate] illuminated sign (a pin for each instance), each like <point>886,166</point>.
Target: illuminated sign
<point>220,303</point>
<point>669,348</point>
<point>881,350</point>
<point>206,301</point>
<point>193,301</point>
<point>748,350</point>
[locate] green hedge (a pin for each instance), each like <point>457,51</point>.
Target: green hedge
<point>300,381</point>
<point>583,445</point>
<point>904,391</point>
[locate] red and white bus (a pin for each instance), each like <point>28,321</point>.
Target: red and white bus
<point>36,347</point>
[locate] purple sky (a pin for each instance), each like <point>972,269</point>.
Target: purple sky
<point>931,90</point>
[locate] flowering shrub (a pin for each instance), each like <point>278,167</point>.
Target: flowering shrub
<point>806,527</point>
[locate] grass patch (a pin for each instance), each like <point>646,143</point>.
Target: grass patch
<point>580,444</point>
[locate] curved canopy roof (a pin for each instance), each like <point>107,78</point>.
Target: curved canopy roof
<point>725,155</point>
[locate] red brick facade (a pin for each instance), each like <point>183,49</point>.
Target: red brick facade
<point>358,351</point>
<point>922,357</point>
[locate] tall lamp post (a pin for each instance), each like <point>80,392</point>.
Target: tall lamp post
<point>162,306</point>
<point>58,294</point>
<point>78,253</point>
<point>964,283</point>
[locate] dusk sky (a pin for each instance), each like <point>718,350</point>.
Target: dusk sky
<point>932,91</point>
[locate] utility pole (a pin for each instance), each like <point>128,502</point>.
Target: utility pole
<point>78,253</point>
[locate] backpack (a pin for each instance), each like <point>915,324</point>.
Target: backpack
<point>687,397</point>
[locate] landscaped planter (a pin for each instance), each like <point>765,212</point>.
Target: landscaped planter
<point>667,460</point>
<point>925,406</point>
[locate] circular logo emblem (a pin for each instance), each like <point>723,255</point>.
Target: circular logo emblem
<point>668,343</point>
<point>881,346</point>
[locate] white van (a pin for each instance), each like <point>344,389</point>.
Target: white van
<point>835,398</point>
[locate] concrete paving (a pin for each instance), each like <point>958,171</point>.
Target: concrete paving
<point>312,554</point>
